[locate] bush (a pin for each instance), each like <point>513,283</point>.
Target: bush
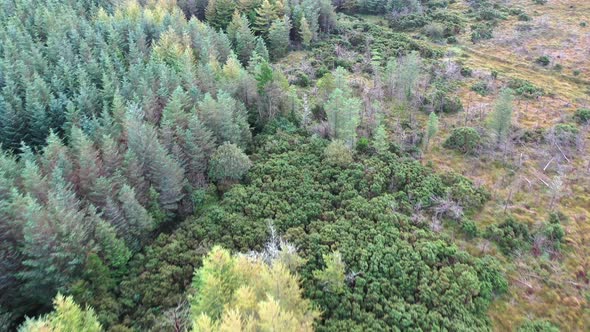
<point>452,105</point>
<point>469,228</point>
<point>466,72</point>
<point>565,134</point>
<point>524,17</point>
<point>543,60</point>
<point>481,31</point>
<point>463,139</point>
<point>525,88</point>
<point>337,153</point>
<point>582,116</point>
<point>362,145</point>
<point>452,40</point>
<point>434,30</point>
<point>481,88</point>
<point>509,235</point>
<point>539,2</point>
<point>537,326</point>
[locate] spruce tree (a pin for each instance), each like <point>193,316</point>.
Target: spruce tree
<point>278,37</point>
<point>305,32</point>
<point>501,117</point>
<point>265,15</point>
<point>380,140</point>
<point>343,116</point>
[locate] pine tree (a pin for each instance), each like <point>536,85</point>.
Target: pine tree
<point>198,145</point>
<point>228,163</point>
<point>219,13</point>
<point>88,162</point>
<point>305,32</point>
<point>501,118</point>
<point>261,49</point>
<point>343,116</point>
<point>311,11</point>
<point>432,126</point>
<point>278,37</point>
<point>244,40</point>
<point>137,221</point>
<point>332,276</point>
<point>226,118</point>
<point>265,15</point>
<point>56,242</point>
<point>67,316</point>
<point>380,140</point>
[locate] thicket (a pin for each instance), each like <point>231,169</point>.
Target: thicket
<point>321,207</point>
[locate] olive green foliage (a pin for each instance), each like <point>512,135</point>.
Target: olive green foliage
<point>432,126</point>
<point>67,316</point>
<point>320,209</point>
<point>228,163</point>
<point>239,293</point>
<point>501,117</point>
<point>525,88</point>
<point>481,88</point>
<point>337,153</point>
<point>582,115</point>
<point>463,139</point>
<point>537,326</point>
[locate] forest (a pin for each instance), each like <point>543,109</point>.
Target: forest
<point>294,165</point>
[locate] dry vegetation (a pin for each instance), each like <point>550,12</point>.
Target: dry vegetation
<point>533,179</point>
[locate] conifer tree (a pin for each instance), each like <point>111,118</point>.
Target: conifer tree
<point>380,140</point>
<point>501,118</point>
<point>261,49</point>
<point>278,37</point>
<point>265,15</point>
<point>137,221</point>
<point>67,316</point>
<point>219,12</point>
<point>432,126</point>
<point>305,32</point>
<point>343,116</point>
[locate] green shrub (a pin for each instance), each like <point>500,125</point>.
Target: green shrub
<point>463,139</point>
<point>434,31</point>
<point>543,60</point>
<point>524,17</point>
<point>337,153</point>
<point>583,24</point>
<point>525,88</point>
<point>469,228</point>
<point>452,40</point>
<point>509,235</point>
<point>362,145</point>
<point>539,2</point>
<point>452,104</point>
<point>481,31</point>
<point>466,71</point>
<point>582,116</point>
<point>566,134</point>
<point>576,72</point>
<point>481,88</point>
<point>537,326</point>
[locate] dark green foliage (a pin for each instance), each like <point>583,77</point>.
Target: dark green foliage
<point>321,208</point>
<point>543,60</point>
<point>539,2</point>
<point>537,326</point>
<point>466,71</point>
<point>469,228</point>
<point>481,31</point>
<point>582,115</point>
<point>525,88</point>
<point>481,88</point>
<point>463,139</point>
<point>510,235</point>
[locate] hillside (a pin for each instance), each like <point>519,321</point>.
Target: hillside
<point>294,165</point>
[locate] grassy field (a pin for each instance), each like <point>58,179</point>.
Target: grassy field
<point>524,182</point>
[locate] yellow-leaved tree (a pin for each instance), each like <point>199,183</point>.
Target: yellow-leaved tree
<point>249,293</point>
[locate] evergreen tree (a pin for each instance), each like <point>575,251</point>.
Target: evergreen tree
<point>278,38</point>
<point>226,118</point>
<point>501,118</point>
<point>228,163</point>
<point>380,140</point>
<point>432,128</point>
<point>219,13</point>
<point>305,32</point>
<point>343,116</point>
<point>266,14</point>
<point>137,221</point>
<point>261,49</point>
<point>67,316</point>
